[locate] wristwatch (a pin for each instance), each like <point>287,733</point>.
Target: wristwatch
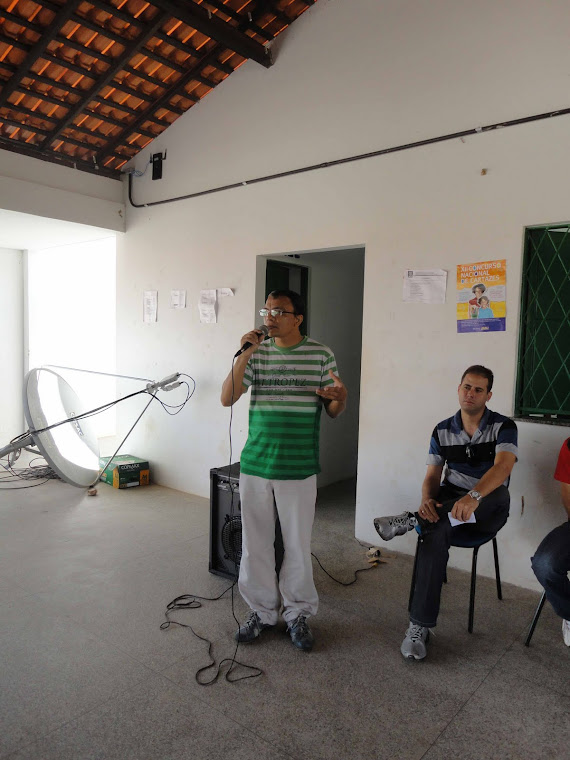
<point>475,495</point>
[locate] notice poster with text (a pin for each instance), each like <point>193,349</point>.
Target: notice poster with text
<point>482,296</point>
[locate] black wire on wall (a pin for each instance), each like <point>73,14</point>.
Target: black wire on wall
<point>350,159</point>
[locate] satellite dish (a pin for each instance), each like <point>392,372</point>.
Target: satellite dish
<point>68,444</point>
<point>71,449</point>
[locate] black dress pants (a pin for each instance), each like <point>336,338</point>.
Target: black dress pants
<point>435,540</point>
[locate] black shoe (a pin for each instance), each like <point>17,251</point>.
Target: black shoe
<point>251,629</point>
<point>301,634</point>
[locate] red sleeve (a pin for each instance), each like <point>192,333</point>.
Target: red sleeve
<point>562,472</point>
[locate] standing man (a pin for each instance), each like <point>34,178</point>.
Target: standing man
<point>551,562</point>
<point>292,377</point>
<point>478,449</point>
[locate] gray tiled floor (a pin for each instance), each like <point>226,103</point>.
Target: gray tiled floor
<point>86,671</point>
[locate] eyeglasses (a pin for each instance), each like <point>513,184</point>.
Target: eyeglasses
<point>273,312</point>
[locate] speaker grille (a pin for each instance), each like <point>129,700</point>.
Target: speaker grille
<point>231,538</point>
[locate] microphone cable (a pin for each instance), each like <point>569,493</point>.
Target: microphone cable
<point>193,601</point>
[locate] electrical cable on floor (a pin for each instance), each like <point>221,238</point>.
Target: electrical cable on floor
<point>193,601</point>
<point>343,583</point>
<point>42,472</point>
<point>190,600</point>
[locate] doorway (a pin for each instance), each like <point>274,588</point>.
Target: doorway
<point>334,282</point>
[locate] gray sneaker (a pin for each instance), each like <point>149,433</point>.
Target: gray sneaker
<point>414,643</point>
<point>397,525</point>
<point>251,628</point>
<point>301,635</point>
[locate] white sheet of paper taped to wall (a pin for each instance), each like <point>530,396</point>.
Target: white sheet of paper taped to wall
<point>207,306</point>
<point>150,305</point>
<point>177,299</point>
<point>424,285</point>
<point>225,292</point>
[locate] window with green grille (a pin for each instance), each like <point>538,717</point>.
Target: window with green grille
<point>543,381</point>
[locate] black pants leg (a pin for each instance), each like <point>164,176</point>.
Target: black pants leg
<point>435,540</point>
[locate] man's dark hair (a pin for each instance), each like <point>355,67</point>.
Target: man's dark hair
<point>479,369</point>
<point>296,300</point>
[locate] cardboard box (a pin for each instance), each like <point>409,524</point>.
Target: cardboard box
<point>125,471</point>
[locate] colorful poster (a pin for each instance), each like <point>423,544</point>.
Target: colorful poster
<point>482,296</point>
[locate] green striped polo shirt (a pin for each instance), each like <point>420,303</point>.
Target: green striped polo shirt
<point>285,411</point>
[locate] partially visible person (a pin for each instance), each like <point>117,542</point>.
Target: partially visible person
<point>485,311</point>
<point>551,563</point>
<point>477,449</point>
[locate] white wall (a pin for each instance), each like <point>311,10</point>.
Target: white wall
<point>353,76</point>
<point>12,362</point>
<point>31,186</point>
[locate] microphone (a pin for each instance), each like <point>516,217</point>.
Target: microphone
<point>161,384</point>
<point>261,329</point>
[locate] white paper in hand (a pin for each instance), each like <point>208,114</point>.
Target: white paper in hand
<point>455,522</point>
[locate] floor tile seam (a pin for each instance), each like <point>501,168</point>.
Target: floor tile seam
<point>229,716</point>
<point>534,683</point>
<point>122,565</point>
<point>463,704</point>
<point>72,719</point>
<point>117,647</point>
<point>107,643</point>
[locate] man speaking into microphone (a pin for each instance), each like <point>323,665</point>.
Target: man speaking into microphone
<point>291,378</point>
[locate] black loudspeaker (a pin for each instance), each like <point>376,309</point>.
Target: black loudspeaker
<point>225,524</point>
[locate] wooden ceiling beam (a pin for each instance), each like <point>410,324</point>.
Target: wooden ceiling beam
<point>113,11</point>
<point>176,67</point>
<point>162,102</point>
<point>103,31</point>
<point>69,65</point>
<point>36,51</point>
<point>108,59</point>
<point>112,104</point>
<point>212,26</point>
<point>7,40</point>
<point>158,83</point>
<point>240,18</point>
<point>54,157</point>
<point>28,112</point>
<point>109,120</point>
<point>31,25</point>
<point>50,83</point>
<point>158,58</point>
<point>186,48</point>
<point>42,96</point>
<point>131,91</point>
<point>269,6</point>
<point>146,34</point>
<point>22,125</point>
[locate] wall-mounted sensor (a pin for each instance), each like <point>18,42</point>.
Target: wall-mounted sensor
<point>156,160</point>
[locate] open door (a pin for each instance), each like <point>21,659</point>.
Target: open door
<point>281,275</point>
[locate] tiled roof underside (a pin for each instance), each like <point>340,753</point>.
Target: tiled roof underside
<point>89,83</point>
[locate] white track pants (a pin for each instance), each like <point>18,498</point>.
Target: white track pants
<point>258,584</point>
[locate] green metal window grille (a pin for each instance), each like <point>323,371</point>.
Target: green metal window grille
<point>543,381</point>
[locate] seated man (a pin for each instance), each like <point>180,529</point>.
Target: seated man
<point>478,448</point>
<point>551,562</point>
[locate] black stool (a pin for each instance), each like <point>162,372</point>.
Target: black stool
<point>466,540</point>
<point>535,619</point>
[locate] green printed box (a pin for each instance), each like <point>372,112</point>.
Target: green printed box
<point>125,471</point>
